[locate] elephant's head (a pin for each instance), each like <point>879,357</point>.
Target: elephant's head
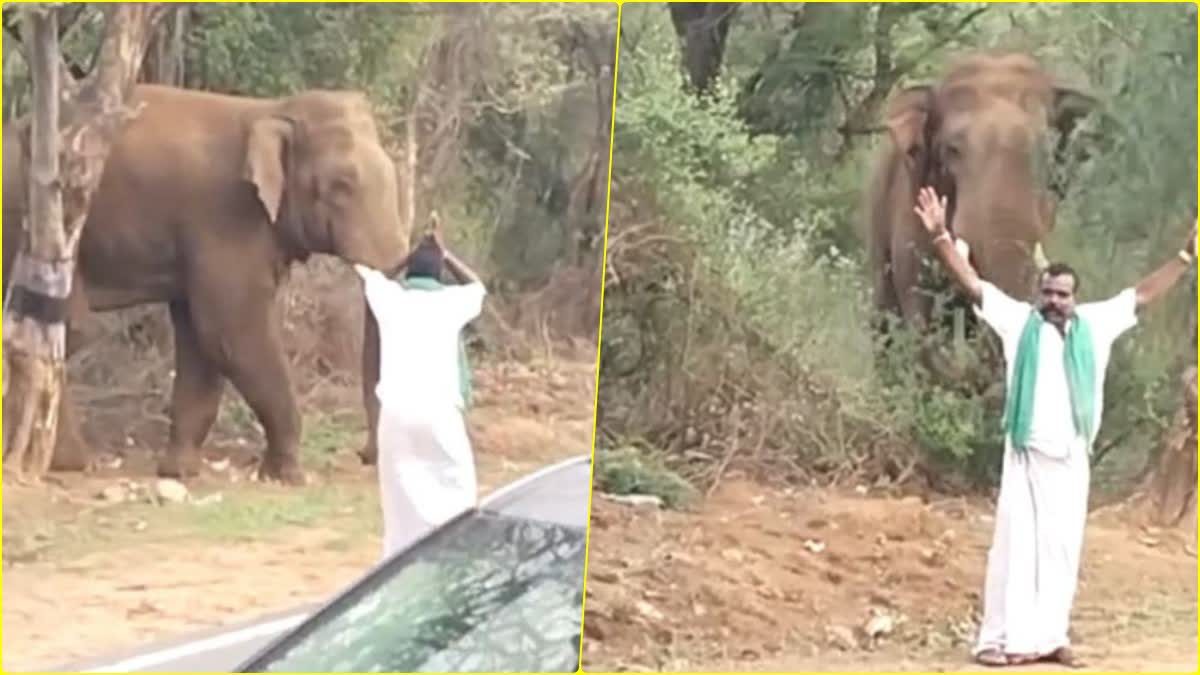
<point>324,180</point>
<point>981,138</point>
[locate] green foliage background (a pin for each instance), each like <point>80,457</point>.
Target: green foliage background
<point>737,310</point>
<point>515,86</point>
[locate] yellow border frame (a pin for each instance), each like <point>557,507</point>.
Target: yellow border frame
<point>604,259</point>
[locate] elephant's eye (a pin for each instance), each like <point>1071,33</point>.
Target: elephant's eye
<point>1043,163</point>
<point>341,187</point>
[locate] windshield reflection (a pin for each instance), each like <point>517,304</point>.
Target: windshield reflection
<point>490,593</point>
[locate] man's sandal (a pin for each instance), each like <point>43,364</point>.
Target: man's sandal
<point>992,657</point>
<point>1064,656</point>
<point>1023,659</point>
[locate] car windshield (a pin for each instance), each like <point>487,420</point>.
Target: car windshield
<point>487,593</point>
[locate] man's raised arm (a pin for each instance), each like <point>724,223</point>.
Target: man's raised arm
<point>459,269</point>
<point>464,274</point>
<point>932,212</point>
<point>1162,279</point>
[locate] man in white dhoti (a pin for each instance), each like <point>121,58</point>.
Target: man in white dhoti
<point>1056,354</point>
<point>426,465</point>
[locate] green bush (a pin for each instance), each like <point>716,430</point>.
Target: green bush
<point>764,292</point>
<point>633,471</point>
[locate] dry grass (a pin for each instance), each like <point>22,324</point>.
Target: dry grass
<point>125,573</point>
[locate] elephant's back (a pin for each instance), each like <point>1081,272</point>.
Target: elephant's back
<point>176,119</point>
<point>174,171</point>
<point>162,99</point>
<point>183,146</point>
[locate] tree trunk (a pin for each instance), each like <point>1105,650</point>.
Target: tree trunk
<point>702,28</point>
<point>586,189</point>
<point>34,328</point>
<point>1172,484</point>
<point>164,62</point>
<point>68,147</point>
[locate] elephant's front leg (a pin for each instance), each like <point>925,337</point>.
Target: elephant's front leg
<point>259,371</point>
<point>195,397</point>
<point>906,273</point>
<point>917,308</point>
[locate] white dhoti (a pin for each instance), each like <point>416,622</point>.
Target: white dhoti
<point>1033,565</point>
<point>426,466</point>
<point>426,472</point>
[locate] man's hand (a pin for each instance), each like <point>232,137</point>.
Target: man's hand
<point>434,236</point>
<point>932,211</point>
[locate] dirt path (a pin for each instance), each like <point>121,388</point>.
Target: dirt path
<point>122,574</point>
<point>768,580</point>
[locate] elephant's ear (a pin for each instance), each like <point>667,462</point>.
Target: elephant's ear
<point>266,145</point>
<point>1070,105</point>
<point>1067,109</point>
<point>907,116</point>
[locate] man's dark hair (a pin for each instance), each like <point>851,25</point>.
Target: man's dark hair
<point>426,261</point>
<point>1060,269</point>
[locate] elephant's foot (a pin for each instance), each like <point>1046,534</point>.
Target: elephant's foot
<point>70,455</point>
<point>369,455</point>
<point>179,465</point>
<point>283,469</point>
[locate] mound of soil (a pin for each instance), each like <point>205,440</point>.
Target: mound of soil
<point>767,579</point>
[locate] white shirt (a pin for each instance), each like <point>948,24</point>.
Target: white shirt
<point>419,340</point>
<point>1052,430</point>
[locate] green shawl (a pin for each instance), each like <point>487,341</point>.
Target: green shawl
<point>464,366</point>
<point>1080,362</point>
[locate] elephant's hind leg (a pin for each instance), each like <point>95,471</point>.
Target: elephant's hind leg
<point>71,452</point>
<point>195,398</point>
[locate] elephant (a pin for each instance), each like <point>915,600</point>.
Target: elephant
<point>980,137</point>
<point>204,203</point>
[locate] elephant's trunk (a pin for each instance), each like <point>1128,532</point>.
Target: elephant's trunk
<point>370,379</point>
<point>1003,225</point>
<point>386,256</point>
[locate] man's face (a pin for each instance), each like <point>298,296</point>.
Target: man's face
<point>1056,298</point>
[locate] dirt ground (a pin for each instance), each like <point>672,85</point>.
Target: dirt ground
<point>759,579</point>
<point>122,573</point>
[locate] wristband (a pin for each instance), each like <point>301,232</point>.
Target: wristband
<point>1186,257</point>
